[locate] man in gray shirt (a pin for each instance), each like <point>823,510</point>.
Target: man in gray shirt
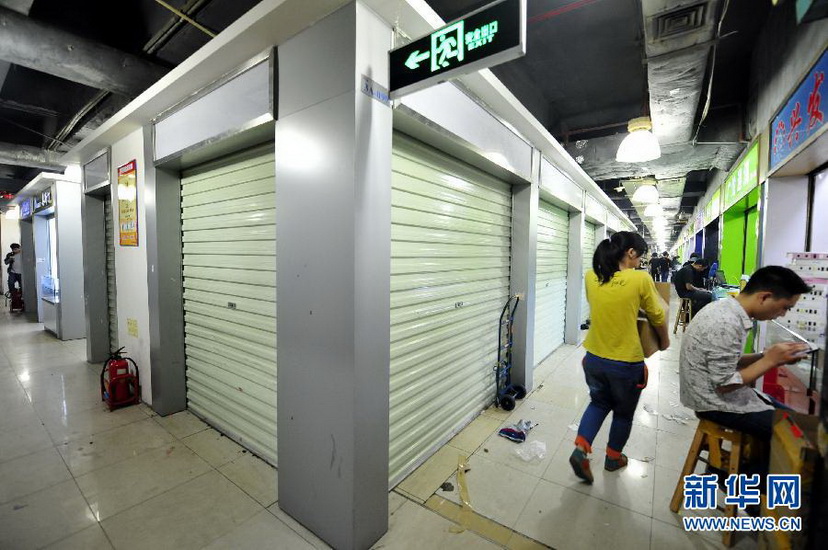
<point>715,377</point>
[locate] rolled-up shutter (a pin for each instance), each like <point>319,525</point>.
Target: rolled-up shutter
<point>588,251</point>
<point>550,282</point>
<point>111,288</point>
<point>450,260</point>
<point>228,213</point>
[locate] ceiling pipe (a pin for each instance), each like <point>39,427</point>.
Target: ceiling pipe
<point>50,50</point>
<point>31,157</point>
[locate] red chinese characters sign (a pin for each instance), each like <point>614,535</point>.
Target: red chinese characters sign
<point>802,116</point>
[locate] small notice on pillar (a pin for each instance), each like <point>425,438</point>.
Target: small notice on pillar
<point>128,204</point>
<point>132,327</point>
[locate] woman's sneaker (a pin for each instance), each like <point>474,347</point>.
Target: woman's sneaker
<point>580,464</point>
<point>612,464</point>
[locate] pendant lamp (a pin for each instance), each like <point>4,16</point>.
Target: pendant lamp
<point>646,193</point>
<point>640,145</point>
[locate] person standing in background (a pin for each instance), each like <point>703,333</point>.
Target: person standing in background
<point>14,266</point>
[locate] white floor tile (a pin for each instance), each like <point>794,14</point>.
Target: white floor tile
<point>112,446</point>
<point>565,518</point>
<point>214,447</point>
<point>630,487</point>
<point>181,424</point>
<point>495,491</point>
<point>413,527</point>
<point>263,530</point>
<point>255,477</point>
<point>44,517</point>
<point>189,516</point>
<point>31,473</point>
<point>115,488</point>
<point>91,538</point>
<point>23,441</point>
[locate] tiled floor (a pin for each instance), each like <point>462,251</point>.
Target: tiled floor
<point>73,475</point>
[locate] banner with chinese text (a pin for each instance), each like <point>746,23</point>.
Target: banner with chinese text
<point>802,117</point>
<point>128,204</point>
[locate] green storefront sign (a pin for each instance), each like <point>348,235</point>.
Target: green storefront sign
<point>744,178</point>
<point>712,210</point>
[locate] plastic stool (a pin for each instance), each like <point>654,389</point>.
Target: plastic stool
<point>685,313</point>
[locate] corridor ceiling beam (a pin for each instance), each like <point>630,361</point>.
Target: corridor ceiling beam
<point>32,157</point>
<point>50,50</point>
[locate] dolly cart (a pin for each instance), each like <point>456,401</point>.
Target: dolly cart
<point>505,392</point>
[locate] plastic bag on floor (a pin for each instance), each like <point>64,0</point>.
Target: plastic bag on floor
<point>531,451</point>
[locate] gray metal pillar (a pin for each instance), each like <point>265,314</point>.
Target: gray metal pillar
<point>162,189</point>
<point>333,180</point>
<point>525,199</point>
<point>96,301</point>
<point>574,278</point>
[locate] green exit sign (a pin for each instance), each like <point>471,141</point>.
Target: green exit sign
<point>491,35</point>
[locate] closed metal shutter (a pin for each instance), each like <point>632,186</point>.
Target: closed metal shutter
<point>111,288</point>
<point>550,282</point>
<point>589,251</point>
<point>228,214</point>
<point>450,260</point>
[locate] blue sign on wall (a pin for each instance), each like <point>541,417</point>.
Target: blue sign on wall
<point>802,116</point>
<point>26,209</point>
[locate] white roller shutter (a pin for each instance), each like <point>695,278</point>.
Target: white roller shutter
<point>111,288</point>
<point>450,260</point>
<point>588,251</point>
<point>550,282</point>
<point>228,213</point>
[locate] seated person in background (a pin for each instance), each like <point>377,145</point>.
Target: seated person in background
<point>686,281</point>
<point>715,377</point>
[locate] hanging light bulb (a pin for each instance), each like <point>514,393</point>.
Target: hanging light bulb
<point>646,193</point>
<point>640,145</point>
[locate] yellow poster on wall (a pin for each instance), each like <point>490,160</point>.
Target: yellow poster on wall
<point>128,204</point>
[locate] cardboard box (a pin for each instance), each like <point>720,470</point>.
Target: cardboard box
<point>646,333</point>
<point>664,290</point>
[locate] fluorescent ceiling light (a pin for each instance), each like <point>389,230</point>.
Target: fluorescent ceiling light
<point>13,213</point>
<point>640,145</point>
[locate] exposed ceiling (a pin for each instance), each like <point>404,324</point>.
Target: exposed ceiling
<point>66,66</point>
<point>591,66</point>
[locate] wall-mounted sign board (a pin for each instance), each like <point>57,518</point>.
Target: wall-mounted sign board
<point>44,200</point>
<point>489,36</point>
<point>802,117</point>
<point>741,179</point>
<point>26,209</point>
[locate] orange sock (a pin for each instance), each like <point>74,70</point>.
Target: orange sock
<point>581,442</point>
<point>613,454</point>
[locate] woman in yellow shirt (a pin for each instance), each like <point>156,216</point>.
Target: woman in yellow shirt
<point>614,363</point>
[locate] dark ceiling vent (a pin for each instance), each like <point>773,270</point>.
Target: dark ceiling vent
<point>679,21</point>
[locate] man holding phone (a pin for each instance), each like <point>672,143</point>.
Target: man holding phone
<point>716,378</point>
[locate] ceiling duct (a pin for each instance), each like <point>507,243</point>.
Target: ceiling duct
<point>679,21</point>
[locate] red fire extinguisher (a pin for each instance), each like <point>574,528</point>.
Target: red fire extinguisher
<point>119,381</point>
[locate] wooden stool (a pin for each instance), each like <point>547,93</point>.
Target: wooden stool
<point>710,437</point>
<point>685,313</point>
